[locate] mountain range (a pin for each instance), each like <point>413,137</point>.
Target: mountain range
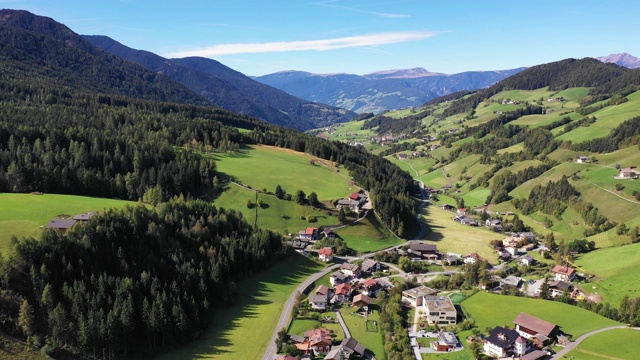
<point>622,59</point>
<point>380,91</point>
<point>229,89</point>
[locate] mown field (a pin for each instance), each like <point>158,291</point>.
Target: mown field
<point>491,310</point>
<point>25,214</point>
<point>608,345</point>
<point>368,235</point>
<point>291,170</point>
<point>371,339</point>
<point>616,272</point>
<point>244,330</point>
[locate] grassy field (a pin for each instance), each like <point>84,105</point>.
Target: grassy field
<point>613,344</point>
<point>289,169</point>
<point>299,327</point>
<point>368,235</point>
<point>244,330</point>
<point>278,215</point>
<point>572,319</point>
<point>372,340</point>
<point>451,236</point>
<point>24,214</point>
<point>616,272</point>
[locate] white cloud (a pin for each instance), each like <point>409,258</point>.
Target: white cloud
<point>306,45</point>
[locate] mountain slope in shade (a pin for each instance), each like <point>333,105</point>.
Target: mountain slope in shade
<point>230,89</point>
<point>379,91</point>
<point>622,59</point>
<point>36,46</point>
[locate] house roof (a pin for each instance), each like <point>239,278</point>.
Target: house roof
<point>421,246</point>
<point>339,275</point>
<point>533,323</point>
<point>361,298</point>
<point>354,196</point>
<point>311,231</point>
<point>296,338</point>
<point>352,345</point>
<point>334,354</point>
<point>474,256</point>
<point>534,355</point>
<point>559,269</point>
<point>350,267</point>
<point>319,336</point>
<point>326,251</point>
<point>370,283</point>
<point>368,264</point>
<point>322,290</point>
<point>84,217</point>
<point>343,289</point>
<point>419,291</point>
<point>438,303</point>
<point>61,224</point>
<point>558,284</point>
<point>503,338</point>
<point>318,298</point>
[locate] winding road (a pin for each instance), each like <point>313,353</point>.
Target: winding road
<point>570,346</point>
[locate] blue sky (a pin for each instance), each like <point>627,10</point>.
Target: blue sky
<point>357,36</point>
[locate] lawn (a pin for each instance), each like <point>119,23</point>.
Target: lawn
<point>24,214</point>
<point>243,331</point>
<point>289,169</point>
<point>299,327</point>
<point>612,344</point>
<point>451,236</point>
<point>616,272</point>
<point>372,340</point>
<point>368,235</point>
<point>491,310</point>
<point>275,214</point>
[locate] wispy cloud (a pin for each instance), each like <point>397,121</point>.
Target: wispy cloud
<point>307,45</point>
<point>334,4</point>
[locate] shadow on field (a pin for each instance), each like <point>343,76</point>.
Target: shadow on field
<point>229,333</point>
<point>434,230</point>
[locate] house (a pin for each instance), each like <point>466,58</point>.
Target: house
<point>468,221</point>
<point>447,341</point>
<point>352,204</point>
<point>439,310</point>
<point>286,357</point>
<point>318,302</point>
<point>529,236</point>
<point>361,301</point>
<point>415,296</point>
<point>513,251</point>
<point>338,277</point>
<point>84,217</point>
<point>512,282</point>
<point>504,255</point>
<point>353,270</point>
<point>342,294</point>
<point>355,196</point>
<point>461,211</point>
<point>347,348</point>
<point>582,159</point>
<point>371,288</point>
<point>325,254</point>
<point>472,258</point>
<point>309,234</point>
<point>451,259</point>
<point>402,156</point>
<point>426,251</point>
<point>61,225</point>
<point>502,343</point>
<point>319,340</point>
<point>329,234</point>
<point>447,207</point>
<point>537,330</point>
<point>526,260</point>
<point>297,245</point>
<point>370,266</point>
<point>564,273</point>
<point>557,287</point>
<point>629,173</point>
<point>322,290</point>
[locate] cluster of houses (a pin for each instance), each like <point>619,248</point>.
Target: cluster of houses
<point>354,202</point>
<point>511,248</point>
<point>510,102</point>
<point>524,340</point>
<point>319,341</point>
<point>309,236</point>
<point>347,288</point>
<point>63,225</point>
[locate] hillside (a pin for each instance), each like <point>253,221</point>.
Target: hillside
<point>38,48</point>
<point>380,91</point>
<point>230,89</point>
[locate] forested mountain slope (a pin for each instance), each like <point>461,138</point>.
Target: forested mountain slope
<point>230,89</point>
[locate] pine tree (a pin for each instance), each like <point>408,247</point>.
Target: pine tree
<point>26,318</point>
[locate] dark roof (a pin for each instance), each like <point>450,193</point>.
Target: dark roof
<point>352,345</point>
<point>559,284</point>
<point>368,264</point>
<point>534,355</point>
<point>533,323</point>
<point>296,338</point>
<point>84,217</point>
<point>61,224</point>
<point>421,246</point>
<point>506,340</point>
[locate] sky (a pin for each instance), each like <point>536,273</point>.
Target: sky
<point>259,37</point>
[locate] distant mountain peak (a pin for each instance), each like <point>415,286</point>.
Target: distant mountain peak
<point>412,73</point>
<point>622,59</point>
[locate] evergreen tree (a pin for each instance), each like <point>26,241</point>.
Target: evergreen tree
<point>545,290</point>
<point>26,318</point>
<point>279,192</point>
<point>300,197</point>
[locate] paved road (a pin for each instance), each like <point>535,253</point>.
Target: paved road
<point>344,327</point>
<point>285,315</point>
<point>570,346</point>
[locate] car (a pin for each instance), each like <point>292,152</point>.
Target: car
<point>532,281</point>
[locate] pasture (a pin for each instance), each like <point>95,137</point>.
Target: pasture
<point>242,331</point>
<point>291,170</point>
<point>365,334</point>
<point>368,235</point>
<point>25,214</point>
<point>607,346</point>
<point>572,319</point>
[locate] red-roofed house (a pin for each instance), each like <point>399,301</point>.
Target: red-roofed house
<point>371,287</point>
<point>309,234</point>
<point>564,273</point>
<point>343,293</point>
<point>325,254</point>
<point>355,196</point>
<point>319,340</point>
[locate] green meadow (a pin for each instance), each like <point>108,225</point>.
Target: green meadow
<point>291,170</point>
<point>25,214</point>
<point>243,331</point>
<point>607,345</point>
<point>368,235</point>
<point>571,319</point>
<point>367,336</point>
